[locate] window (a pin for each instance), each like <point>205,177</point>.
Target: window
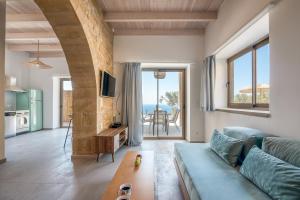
<point>249,77</point>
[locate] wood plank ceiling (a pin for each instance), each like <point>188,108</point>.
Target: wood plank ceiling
<point>159,16</point>
<point>26,24</point>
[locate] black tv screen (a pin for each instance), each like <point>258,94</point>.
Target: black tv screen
<point>108,85</point>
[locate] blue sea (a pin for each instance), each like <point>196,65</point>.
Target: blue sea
<point>149,108</point>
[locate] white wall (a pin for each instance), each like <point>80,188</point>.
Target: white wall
<point>232,16</point>
<point>47,81</point>
<point>16,65</point>
<point>284,60</point>
<point>168,49</point>
<point>220,85</point>
<point>195,124</point>
<point>175,49</point>
<point>56,102</point>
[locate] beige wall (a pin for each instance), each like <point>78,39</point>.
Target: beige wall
<point>2,72</point>
<point>284,75</point>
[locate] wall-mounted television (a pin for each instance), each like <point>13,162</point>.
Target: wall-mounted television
<point>108,84</point>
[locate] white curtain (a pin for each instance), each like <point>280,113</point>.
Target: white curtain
<point>132,102</point>
<point>208,77</point>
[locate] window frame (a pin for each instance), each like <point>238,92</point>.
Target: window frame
<point>230,77</point>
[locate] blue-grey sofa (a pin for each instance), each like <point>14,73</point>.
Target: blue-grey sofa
<point>204,175</point>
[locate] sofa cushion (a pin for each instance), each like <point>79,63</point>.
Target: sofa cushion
<point>279,179</point>
<point>226,147</point>
<point>284,149</point>
<point>208,177</point>
<point>250,137</point>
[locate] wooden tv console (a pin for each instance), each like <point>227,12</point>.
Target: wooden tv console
<point>110,140</point>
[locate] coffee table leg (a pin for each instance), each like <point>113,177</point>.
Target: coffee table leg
<point>113,157</point>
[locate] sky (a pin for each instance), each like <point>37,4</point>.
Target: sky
<point>243,69</point>
<point>67,85</point>
<point>169,83</point>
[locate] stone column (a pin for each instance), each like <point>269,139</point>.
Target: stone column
<point>2,77</point>
<point>87,43</point>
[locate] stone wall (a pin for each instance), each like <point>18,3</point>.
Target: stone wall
<point>100,39</point>
<point>87,44</point>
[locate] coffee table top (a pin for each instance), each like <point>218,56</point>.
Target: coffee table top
<point>141,178</point>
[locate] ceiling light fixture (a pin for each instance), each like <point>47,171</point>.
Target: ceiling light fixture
<point>37,63</point>
<point>159,75</point>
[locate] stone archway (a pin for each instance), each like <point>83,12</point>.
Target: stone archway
<point>87,43</point>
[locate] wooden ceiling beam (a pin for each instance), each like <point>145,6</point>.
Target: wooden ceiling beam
<point>33,47</point>
<point>30,36</point>
<point>25,18</point>
<point>160,16</point>
<point>47,54</point>
<point>158,31</point>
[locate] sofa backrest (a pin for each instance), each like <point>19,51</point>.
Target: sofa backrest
<point>250,137</point>
<point>287,150</point>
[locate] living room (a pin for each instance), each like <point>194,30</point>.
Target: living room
<point>191,49</point>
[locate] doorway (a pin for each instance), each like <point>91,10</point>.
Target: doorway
<point>65,102</point>
<point>163,103</point>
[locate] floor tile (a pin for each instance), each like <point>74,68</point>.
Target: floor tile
<point>38,168</point>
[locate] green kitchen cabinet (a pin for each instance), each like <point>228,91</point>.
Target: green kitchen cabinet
<point>22,100</point>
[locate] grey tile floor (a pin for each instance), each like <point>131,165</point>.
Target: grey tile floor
<point>38,167</point>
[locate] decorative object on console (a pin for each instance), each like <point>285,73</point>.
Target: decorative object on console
<point>116,125</point>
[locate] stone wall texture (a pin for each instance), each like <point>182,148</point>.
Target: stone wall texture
<point>87,42</point>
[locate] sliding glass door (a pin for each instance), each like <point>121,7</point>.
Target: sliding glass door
<point>163,103</point>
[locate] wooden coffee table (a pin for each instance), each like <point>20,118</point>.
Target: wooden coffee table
<point>141,178</point>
